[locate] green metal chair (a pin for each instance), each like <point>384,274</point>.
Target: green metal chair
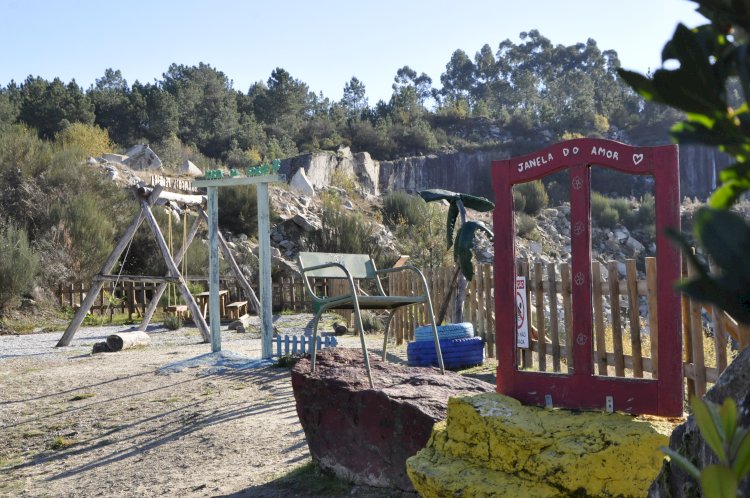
<point>359,266</point>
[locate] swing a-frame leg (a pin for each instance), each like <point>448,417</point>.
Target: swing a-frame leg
<point>175,272</point>
<point>159,292</point>
<point>98,283</point>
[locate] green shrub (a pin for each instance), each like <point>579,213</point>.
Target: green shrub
<point>371,322</point>
<point>343,180</point>
<point>18,264</point>
<point>606,212</point>
<point>400,207</point>
<point>534,195</point>
<point>172,322</point>
<point>526,227</point>
<point>89,139</point>
<point>343,231</point>
<point>558,192</point>
<point>608,217</point>
<point>625,210</point>
<point>89,230</point>
<point>238,209</point>
<point>424,242</point>
<point>647,211</point>
<point>519,201</point>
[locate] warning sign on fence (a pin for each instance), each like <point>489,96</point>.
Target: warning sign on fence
<point>522,319</point>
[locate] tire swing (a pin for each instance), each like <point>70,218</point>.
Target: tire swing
<point>457,343</point>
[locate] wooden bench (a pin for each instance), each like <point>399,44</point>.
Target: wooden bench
<point>236,309</point>
<point>362,267</point>
<point>180,310</point>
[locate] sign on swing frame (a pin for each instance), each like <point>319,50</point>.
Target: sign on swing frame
<point>581,388</point>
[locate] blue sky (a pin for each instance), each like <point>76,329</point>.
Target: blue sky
<point>323,43</point>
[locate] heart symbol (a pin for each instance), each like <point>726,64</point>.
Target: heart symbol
<point>637,158</point>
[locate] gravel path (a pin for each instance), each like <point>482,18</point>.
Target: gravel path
<point>112,424</point>
<point>43,344</point>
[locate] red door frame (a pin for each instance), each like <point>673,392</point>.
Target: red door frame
<point>582,389</point>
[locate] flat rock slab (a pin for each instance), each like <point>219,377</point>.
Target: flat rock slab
<point>491,445</point>
<point>365,435</point>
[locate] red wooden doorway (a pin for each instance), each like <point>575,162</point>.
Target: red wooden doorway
<point>579,388</point>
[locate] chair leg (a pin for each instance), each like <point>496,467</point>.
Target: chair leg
<point>361,330</point>
<point>315,340</point>
<point>387,329</point>
<point>435,336</point>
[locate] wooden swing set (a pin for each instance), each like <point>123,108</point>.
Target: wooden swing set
<point>147,197</point>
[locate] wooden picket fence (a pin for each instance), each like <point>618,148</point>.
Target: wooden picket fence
<point>622,347</point>
<point>288,294</point>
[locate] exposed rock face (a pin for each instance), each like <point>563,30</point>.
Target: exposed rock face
<point>365,435</point>
<point>687,440</point>
<point>491,445</point>
<point>459,171</point>
<point>470,171</point>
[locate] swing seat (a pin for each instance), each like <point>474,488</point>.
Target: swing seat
<point>362,267</point>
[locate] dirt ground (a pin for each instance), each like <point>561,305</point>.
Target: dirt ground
<point>77,424</point>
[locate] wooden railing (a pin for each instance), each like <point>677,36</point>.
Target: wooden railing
<point>623,345</point>
<point>133,297</point>
<point>624,312</point>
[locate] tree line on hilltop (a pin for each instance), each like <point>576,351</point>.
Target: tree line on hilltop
<point>519,89</point>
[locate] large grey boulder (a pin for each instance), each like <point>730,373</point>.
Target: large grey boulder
<point>686,439</point>
<point>115,158</point>
<point>142,158</point>
<point>301,184</point>
<point>190,169</point>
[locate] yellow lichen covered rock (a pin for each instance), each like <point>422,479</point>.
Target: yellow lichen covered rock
<point>491,445</point>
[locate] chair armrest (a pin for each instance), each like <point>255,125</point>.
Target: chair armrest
<point>399,268</point>
<point>407,267</point>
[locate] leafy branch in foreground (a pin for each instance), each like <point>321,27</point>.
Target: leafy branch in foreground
<point>710,57</point>
<point>730,443</point>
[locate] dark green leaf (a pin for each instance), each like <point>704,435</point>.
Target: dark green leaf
<point>644,86</point>
<point>725,236</point>
<point>728,193</point>
<point>437,194</point>
<point>709,426</point>
<point>480,204</point>
<point>456,247</point>
<point>728,415</point>
<point>742,455</point>
<point>463,253</point>
<point>452,216</point>
<point>718,481</point>
<point>683,462</point>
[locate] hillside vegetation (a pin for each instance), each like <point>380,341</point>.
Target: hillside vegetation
<point>59,218</point>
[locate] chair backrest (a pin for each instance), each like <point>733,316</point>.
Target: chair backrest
<point>358,265</point>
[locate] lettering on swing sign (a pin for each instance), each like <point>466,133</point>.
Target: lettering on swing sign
<point>596,151</point>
